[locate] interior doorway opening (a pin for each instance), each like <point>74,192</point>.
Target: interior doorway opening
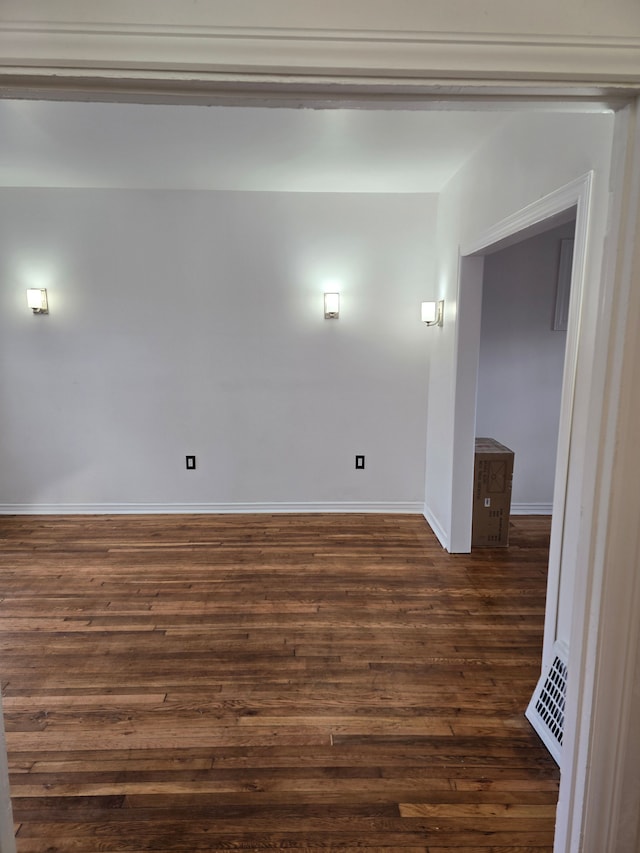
<point>525,297</point>
<point>523,336</point>
<point>561,213</point>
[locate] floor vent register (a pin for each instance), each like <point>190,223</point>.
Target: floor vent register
<point>546,708</point>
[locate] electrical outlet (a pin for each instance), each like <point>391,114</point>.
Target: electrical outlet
<point>191,463</point>
<point>360,463</point>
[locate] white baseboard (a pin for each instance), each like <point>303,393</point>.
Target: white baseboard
<point>531,509</point>
<point>435,525</point>
<point>397,508</point>
<point>516,509</point>
<point>401,507</point>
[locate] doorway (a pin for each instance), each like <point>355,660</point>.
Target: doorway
<point>521,361</point>
<point>558,209</point>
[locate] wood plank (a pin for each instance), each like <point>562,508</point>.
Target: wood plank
<point>205,683</point>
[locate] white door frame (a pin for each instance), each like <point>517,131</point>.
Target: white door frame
<point>599,806</point>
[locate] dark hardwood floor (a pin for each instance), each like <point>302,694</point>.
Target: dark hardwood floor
<point>319,682</point>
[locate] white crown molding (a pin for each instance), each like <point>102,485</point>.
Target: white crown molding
<point>392,508</point>
<point>386,36</point>
<point>153,53</point>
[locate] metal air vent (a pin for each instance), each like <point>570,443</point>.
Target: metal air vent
<point>546,708</point>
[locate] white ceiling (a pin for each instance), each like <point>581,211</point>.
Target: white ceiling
<point>55,144</point>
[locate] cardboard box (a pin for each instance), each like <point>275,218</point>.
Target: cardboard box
<point>492,476</point>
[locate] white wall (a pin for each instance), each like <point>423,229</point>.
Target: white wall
<point>521,362</point>
<point>192,323</point>
<point>531,156</point>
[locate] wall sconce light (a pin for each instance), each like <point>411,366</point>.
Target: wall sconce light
<point>433,313</point>
<point>37,300</point>
<point>331,306</point>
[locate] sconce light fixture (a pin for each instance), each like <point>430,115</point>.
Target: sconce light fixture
<point>433,313</point>
<point>37,300</point>
<point>331,306</point>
